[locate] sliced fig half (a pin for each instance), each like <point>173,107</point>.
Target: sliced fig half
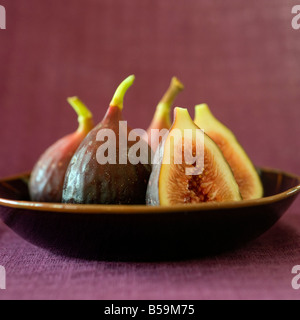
<point>244,171</point>
<point>172,182</point>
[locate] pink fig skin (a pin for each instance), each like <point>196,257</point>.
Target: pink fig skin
<point>47,177</point>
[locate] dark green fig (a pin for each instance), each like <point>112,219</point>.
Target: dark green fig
<point>98,177</point>
<point>47,178</point>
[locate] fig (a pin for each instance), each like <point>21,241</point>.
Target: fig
<point>47,178</point>
<point>244,171</point>
<point>203,177</point>
<point>101,172</point>
<point>162,119</point>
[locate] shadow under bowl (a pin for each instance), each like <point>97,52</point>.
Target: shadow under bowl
<point>144,233</point>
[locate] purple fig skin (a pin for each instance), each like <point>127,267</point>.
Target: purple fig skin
<point>88,182</point>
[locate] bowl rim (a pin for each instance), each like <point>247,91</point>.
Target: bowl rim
<point>145,209</point>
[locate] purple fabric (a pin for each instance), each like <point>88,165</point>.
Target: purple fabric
<point>260,270</point>
<point>242,59</point>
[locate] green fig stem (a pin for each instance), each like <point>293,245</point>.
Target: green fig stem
<point>164,106</point>
<point>85,117</point>
<point>118,98</point>
<point>175,87</point>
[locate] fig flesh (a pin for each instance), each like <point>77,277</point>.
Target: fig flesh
<point>170,184</point>
<point>244,171</point>
<point>47,178</point>
<point>162,119</point>
<point>92,179</point>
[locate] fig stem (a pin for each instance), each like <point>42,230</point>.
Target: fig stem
<point>164,106</point>
<point>175,87</point>
<point>85,117</point>
<point>118,98</point>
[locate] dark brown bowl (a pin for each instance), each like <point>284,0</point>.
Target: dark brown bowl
<point>143,232</point>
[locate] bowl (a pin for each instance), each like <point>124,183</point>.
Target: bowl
<point>117,232</point>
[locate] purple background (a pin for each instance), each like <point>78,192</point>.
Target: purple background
<point>242,59</point>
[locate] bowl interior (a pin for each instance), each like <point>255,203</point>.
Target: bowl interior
<point>156,234</point>
<point>274,183</point>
